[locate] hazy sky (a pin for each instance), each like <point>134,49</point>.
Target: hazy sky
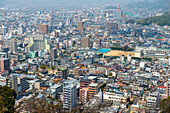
<point>68,2</point>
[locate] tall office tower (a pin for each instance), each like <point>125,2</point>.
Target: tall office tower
<point>3,30</point>
<point>11,81</point>
<point>79,18</point>
<point>54,53</point>
<point>168,88</point>
<point>63,73</point>
<point>43,28</point>
<point>12,44</point>
<point>93,89</point>
<point>85,42</point>
<point>5,64</point>
<point>21,30</point>
<point>4,13</point>
<point>97,42</point>
<point>80,27</point>
<point>68,22</point>
<point>69,94</point>
<point>22,83</point>
<point>111,25</point>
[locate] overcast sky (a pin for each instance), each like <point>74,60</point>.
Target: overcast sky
<point>68,2</point>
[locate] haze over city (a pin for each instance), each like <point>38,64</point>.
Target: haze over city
<point>84,56</point>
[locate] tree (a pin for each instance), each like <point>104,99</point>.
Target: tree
<point>45,105</point>
<point>52,67</point>
<point>43,67</point>
<point>165,105</point>
<point>7,99</point>
<point>132,21</point>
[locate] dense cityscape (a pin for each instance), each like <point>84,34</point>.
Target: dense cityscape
<point>100,59</point>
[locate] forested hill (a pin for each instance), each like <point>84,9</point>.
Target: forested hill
<point>164,4</point>
<point>160,20</point>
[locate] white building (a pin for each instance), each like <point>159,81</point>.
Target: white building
<point>69,94</point>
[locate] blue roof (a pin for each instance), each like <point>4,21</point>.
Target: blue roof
<point>103,50</point>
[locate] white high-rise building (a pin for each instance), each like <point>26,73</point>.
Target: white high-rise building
<point>69,94</point>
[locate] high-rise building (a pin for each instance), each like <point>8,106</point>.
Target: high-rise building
<point>168,88</point>
<point>80,27</point>
<point>21,30</point>
<point>11,81</point>
<point>12,44</point>
<point>84,95</point>
<point>5,64</point>
<point>4,13</point>
<point>3,30</point>
<point>79,18</point>
<point>93,89</point>
<point>83,92</point>
<point>97,42</point>
<point>37,42</point>
<point>69,94</point>
<point>22,83</point>
<point>43,28</point>
<point>111,25</point>
<point>54,53</point>
<point>85,42</point>
<point>63,73</point>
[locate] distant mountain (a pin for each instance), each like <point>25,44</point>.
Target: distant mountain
<point>65,2</point>
<point>164,4</point>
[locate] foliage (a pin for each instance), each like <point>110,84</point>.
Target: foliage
<point>160,20</point>
<point>45,105</point>
<point>7,99</point>
<point>132,21</point>
<point>52,67</point>
<point>43,67</point>
<point>122,48</point>
<point>99,55</point>
<point>165,105</point>
<point>102,86</point>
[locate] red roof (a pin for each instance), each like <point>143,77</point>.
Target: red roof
<point>164,87</point>
<point>110,68</point>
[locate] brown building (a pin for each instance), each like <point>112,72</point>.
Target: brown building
<point>5,64</point>
<point>168,88</point>
<point>43,28</point>
<point>111,25</point>
<point>80,27</point>
<point>93,89</point>
<point>84,84</point>
<point>76,72</point>
<point>84,95</point>
<point>85,42</point>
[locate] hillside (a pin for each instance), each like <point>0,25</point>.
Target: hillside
<point>163,4</point>
<point>160,20</point>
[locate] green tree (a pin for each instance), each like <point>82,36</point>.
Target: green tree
<point>43,67</point>
<point>52,67</point>
<point>165,105</point>
<point>7,99</point>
